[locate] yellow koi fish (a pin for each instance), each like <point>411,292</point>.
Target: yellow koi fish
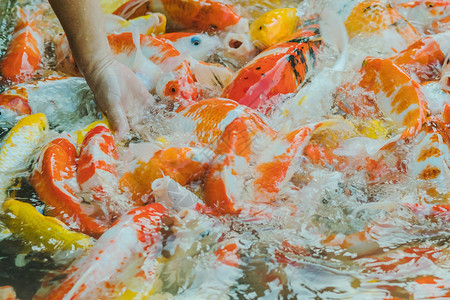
<point>47,233</point>
<point>18,146</point>
<point>273,26</point>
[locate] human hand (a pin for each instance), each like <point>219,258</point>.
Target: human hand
<point>118,93</point>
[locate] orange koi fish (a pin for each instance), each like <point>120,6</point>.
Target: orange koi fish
<point>202,15</point>
<point>430,159</point>
<point>97,175</point>
<point>117,256</point>
<point>207,119</point>
<point>54,179</point>
<point>377,17</point>
<point>24,53</point>
<point>425,57</point>
<point>161,66</point>
<point>421,13</point>
<point>394,95</point>
<point>7,293</point>
<point>277,70</point>
<point>225,181</point>
<point>183,165</point>
<point>439,26</point>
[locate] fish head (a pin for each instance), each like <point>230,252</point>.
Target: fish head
<point>178,85</point>
<point>197,45</point>
<point>273,26</point>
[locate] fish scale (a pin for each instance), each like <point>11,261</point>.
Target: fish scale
<point>18,147</point>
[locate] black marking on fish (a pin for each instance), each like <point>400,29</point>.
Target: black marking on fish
<point>218,80</point>
<point>300,40</point>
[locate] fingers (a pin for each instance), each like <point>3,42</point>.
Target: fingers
<point>118,121</point>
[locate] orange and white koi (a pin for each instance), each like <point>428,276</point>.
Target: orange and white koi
<point>425,57</point>
<point>7,293</point>
<point>225,182</point>
<point>200,46</point>
<point>96,171</point>
<point>158,64</point>
<point>277,70</point>
<point>431,159</point>
<point>23,57</point>
<point>205,121</point>
<point>439,26</point>
<point>394,94</point>
<point>203,15</point>
<point>54,179</point>
<point>422,13</point>
<point>120,254</point>
<point>18,147</point>
<point>183,165</point>
<point>374,17</point>
<point>436,211</point>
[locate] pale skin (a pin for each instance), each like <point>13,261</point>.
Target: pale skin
<point>117,90</point>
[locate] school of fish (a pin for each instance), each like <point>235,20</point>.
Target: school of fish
<point>297,150</point>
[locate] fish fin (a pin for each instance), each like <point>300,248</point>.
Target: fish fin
<point>211,75</point>
<point>334,33</point>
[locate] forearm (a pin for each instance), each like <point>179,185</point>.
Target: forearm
<point>84,26</point>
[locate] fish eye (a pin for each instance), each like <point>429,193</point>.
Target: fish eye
<point>196,41</point>
<point>430,4</point>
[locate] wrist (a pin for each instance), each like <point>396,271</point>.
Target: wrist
<point>95,66</point>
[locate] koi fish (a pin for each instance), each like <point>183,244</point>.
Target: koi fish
<point>206,120</point>
<point>376,17</point>
<point>200,46</point>
<point>135,238</point>
<point>275,71</point>
<point>25,51</point>
<point>425,57</point>
<point>231,164</point>
<point>422,13</point>
<point>161,66</point>
<point>46,233</point>
<point>183,165</point>
<point>439,26</point>
<point>203,15</point>
<point>395,96</point>
<point>210,78</point>
<point>430,161</point>
<point>238,47</point>
<point>18,147</point>
<point>7,293</point>
<point>54,179</point>
<point>273,26</point>
<point>96,171</point>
